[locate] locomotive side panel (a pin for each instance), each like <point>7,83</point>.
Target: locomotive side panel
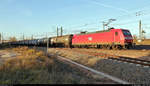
<point>93,39</point>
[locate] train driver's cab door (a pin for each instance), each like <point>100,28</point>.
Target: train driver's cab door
<point>116,36</point>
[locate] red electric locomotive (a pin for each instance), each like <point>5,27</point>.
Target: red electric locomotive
<point>112,38</point>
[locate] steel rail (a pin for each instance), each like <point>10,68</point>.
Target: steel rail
<point>134,61</point>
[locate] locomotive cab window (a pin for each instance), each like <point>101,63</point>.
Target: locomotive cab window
<point>116,33</point>
<point>126,33</point>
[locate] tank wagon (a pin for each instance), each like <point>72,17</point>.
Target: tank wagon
<point>62,41</point>
<point>43,41</point>
<point>34,42</point>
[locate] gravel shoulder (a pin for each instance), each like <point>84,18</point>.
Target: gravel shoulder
<point>128,72</point>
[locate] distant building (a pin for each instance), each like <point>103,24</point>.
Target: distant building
<point>5,41</point>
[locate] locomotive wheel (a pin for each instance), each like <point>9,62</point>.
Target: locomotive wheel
<point>115,47</point>
<point>98,46</point>
<point>125,47</point>
<point>87,46</point>
<point>128,47</point>
<point>103,47</point>
<point>120,47</point>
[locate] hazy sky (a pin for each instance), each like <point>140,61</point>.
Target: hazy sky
<point>40,16</point>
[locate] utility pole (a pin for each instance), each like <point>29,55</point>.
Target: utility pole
<point>140,25</point>
<point>61,31</point>
<point>47,44</point>
<point>23,37</point>
<point>140,30</point>
<point>57,32</point>
<point>32,37</point>
<point>103,25</point>
<point>0,38</point>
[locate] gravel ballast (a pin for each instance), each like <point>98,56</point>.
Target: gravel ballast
<point>125,71</point>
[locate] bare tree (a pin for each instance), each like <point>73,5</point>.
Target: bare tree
<point>135,37</point>
<point>143,34</point>
<point>12,39</point>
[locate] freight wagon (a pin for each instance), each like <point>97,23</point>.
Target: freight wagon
<point>61,41</point>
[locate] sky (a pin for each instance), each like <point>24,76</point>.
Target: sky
<point>41,17</point>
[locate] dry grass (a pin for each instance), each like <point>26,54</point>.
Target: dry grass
<point>144,42</point>
<point>29,58</point>
<point>33,67</point>
<point>21,68</point>
<point>92,61</point>
<point>76,56</point>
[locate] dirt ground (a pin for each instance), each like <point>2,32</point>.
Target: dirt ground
<point>6,54</point>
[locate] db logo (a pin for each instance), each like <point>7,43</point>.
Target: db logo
<point>90,38</point>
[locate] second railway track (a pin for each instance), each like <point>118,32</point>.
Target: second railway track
<point>138,62</point>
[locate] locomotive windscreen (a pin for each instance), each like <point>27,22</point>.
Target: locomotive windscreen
<point>126,33</point>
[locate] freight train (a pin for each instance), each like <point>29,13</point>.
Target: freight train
<point>110,39</point>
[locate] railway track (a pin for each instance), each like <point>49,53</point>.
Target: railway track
<point>114,79</point>
<point>129,60</point>
<point>123,59</point>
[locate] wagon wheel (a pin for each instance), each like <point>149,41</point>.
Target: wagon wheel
<point>125,47</point>
<point>115,47</point>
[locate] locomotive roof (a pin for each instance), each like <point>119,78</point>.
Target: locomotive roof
<point>99,31</point>
<point>95,32</point>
